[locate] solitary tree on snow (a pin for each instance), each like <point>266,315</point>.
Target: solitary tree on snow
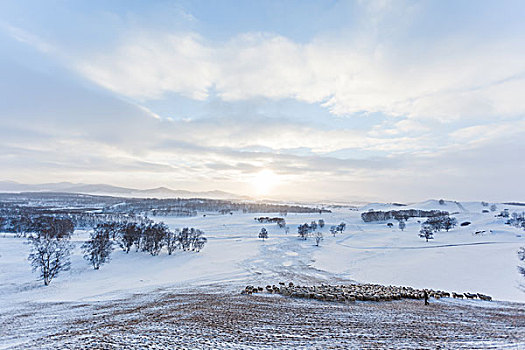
<point>51,248</point>
<point>426,232</point>
<point>318,238</point>
<point>263,234</point>
<point>402,225</point>
<point>303,231</point>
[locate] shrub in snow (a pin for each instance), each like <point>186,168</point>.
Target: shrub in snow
<point>263,234</point>
<point>321,223</point>
<point>98,248</point>
<point>402,225</point>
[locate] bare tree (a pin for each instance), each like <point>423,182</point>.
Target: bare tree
<point>426,232</point>
<point>318,238</point>
<point>449,222</point>
<point>98,248</point>
<point>154,238</point>
<point>303,231</point>
<point>130,233</point>
<point>51,247</point>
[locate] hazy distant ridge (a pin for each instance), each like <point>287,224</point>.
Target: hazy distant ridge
<point>159,192</point>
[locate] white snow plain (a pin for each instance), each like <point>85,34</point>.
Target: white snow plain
<point>234,256</point>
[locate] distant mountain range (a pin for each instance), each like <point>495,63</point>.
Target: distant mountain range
<point>102,189</point>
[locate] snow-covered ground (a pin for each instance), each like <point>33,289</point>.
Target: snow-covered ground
<point>458,260</point>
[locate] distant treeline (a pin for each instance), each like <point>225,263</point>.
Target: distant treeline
<point>87,211</point>
<point>370,216</point>
<point>24,223</point>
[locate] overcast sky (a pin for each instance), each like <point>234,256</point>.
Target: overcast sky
<point>344,100</point>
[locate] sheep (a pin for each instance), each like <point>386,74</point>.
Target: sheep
<point>456,295</point>
<point>484,297</point>
<point>361,292</point>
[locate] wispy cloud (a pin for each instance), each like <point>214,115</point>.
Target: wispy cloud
<point>466,81</point>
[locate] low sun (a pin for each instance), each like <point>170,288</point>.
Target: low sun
<point>264,182</point>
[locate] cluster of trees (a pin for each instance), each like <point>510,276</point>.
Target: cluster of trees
<point>517,220</point>
<point>50,241</point>
<point>435,224</point>
<point>338,229</point>
<point>153,237</point>
<point>405,214</point>
<point>24,224</point>
<point>27,221</point>
<point>87,211</point>
<point>306,229</point>
<point>493,207</point>
<point>265,219</point>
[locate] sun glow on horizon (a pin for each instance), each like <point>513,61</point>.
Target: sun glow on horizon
<point>264,182</point>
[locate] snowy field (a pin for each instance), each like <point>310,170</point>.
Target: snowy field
<point>234,256</point>
<point>458,260</point>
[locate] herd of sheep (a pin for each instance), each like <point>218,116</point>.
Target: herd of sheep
<point>360,292</point>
